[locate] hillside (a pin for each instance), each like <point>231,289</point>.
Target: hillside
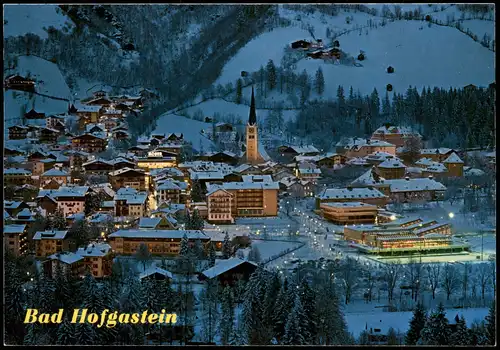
<point>24,19</point>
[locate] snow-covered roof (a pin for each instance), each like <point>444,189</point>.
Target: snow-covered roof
<point>418,184</point>
<point>222,266</point>
<point>468,171</point>
<point>104,187</point>
<point>154,270</point>
<point>357,161</point>
<point>425,162</point>
<point>428,228</point>
<point>55,172</point>
<point>76,216</point>
<point>442,150</point>
<point>453,158</point>
<point>100,217</point>
<point>66,257</point>
<point>161,234</point>
<point>290,180</point>
<point>349,204</point>
<point>357,143</point>
<point>71,191</point>
<point>13,228</point>
<point>6,215</point>
<point>243,167</point>
<point>125,170</point>
<point>379,156</point>
<point>206,175</point>
<point>24,213</point>
<point>94,250</point>
<point>304,149</point>
<point>310,171</point>
<point>250,185</point>
<point>149,222</point>
<point>436,168</point>
<point>391,163</point>
<point>340,193</point>
<point>11,204</point>
<point>50,234</point>
<point>368,178</point>
<point>395,130</point>
<point>16,171</point>
<point>88,109</point>
<point>257,178</point>
<point>168,185</point>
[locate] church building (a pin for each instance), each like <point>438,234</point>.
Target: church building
<point>252,155</point>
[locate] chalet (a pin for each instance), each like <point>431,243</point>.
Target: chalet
<point>315,54</point>
<point>454,165</point>
<point>129,202</point>
<point>223,127</point>
<point>358,147</point>
<point>158,223</point>
<point>99,94</point>
<point>220,157</point>
<point>89,143</point>
<point>72,109</point>
<point>120,163</point>
<point>412,190</point>
<point>50,242</point>
<point>128,177</point>
<point>24,217</point>
<point>101,101</point>
<point>123,107</point>
<point>156,160</point>
<point>159,242</point>
<point>51,120</point>
<point>298,150</point>
<point>14,207</point>
<point>97,258</point>
<point>168,190</point>
<point>32,114</point>
<point>229,271</point>
<point>367,195</point>
<point>470,87</point>
<point>77,159</point>
<point>16,176</point>
<point>436,154</point>
<point>308,173</point>
<point>395,135</point>
<point>139,150</point>
<point>171,147</point>
<point>71,200</point>
<point>301,44</point>
<point>296,188</point>
<point>15,239</point>
<point>89,114</point>
<point>18,132</point>
<point>391,168</point>
<point>48,135</point>
<point>46,201</point>
<point>12,151</point>
<point>95,128</point>
<point>70,263</point>
<point>98,167</point>
<point>155,273</point>
<point>329,160</point>
<point>17,82</point>
<point>110,123</point>
<point>148,94</point>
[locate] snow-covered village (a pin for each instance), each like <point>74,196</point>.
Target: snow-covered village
<point>269,174</point>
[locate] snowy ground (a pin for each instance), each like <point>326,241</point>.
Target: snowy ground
<point>24,19</point>
<point>357,322</point>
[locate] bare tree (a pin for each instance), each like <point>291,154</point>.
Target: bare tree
<point>492,268</point>
<point>370,284</point>
<point>433,276</point>
<point>391,274</point>
<point>349,277</point>
<point>465,280</point>
<point>414,273</point>
<point>450,280</point>
<point>483,277</point>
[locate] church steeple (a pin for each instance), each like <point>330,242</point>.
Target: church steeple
<point>252,119</point>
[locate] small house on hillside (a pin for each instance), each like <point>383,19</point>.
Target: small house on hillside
<point>17,82</point>
<point>301,44</point>
<point>32,114</point>
<point>229,271</point>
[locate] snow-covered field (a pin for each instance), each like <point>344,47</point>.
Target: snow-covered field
<point>23,19</point>
<point>358,322</point>
<point>268,249</point>
<point>171,123</point>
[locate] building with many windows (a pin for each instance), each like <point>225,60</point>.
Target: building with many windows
<point>349,213</point>
<point>50,242</point>
<point>15,239</point>
<point>97,258</point>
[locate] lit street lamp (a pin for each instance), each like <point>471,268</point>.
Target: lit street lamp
<point>451,215</point>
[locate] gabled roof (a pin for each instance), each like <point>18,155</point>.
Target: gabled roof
<point>50,234</point>
<point>351,193</point>
<point>176,234</point>
<point>55,172</point>
<point>94,250</point>
<point>391,163</point>
<point>418,184</point>
<point>222,266</point>
<point>9,229</point>
<point>17,171</point>
<point>154,270</point>
<point>441,150</point>
<point>126,170</point>
<point>453,158</point>
<point>66,257</point>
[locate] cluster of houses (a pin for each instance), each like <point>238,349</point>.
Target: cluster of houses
<point>143,194</point>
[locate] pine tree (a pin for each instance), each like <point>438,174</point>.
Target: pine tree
<point>197,192</point>
<point>66,333</point>
<point>417,323</point>
<point>254,255</point>
<point>461,334</point>
<point>226,323</point>
<point>59,222</point>
<point>14,304</point>
<point>392,337</point>
<point>294,329</point>
<point>271,75</point>
<point>436,330</point>
<point>196,222</point>
<point>319,82</point>
<point>227,247</point>
<point>252,324</point>
<point>85,334</point>
<point>281,310</point>
<point>490,325</point>
<point>92,299</point>
<point>308,299</point>
<point>239,91</point>
<point>211,255</point>
<point>386,107</point>
<point>341,101</point>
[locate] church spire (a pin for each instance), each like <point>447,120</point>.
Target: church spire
<point>252,119</point>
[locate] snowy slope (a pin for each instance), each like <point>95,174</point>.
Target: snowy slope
<point>435,56</point>
<point>421,56</point>
<point>24,19</point>
<point>225,108</point>
<point>47,76</point>
<point>479,27</point>
<point>171,123</point>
